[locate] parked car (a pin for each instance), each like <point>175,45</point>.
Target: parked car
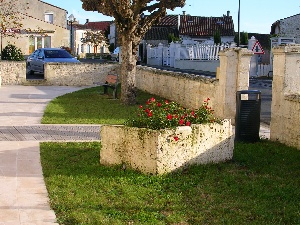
<point>35,62</point>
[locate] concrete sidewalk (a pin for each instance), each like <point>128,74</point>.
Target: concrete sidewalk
<point>23,195</point>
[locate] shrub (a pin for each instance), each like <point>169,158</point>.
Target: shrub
<point>11,52</point>
<point>164,114</point>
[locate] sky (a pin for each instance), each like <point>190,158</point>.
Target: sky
<point>256,16</point>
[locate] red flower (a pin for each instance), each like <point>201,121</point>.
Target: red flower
<point>188,123</point>
<point>167,102</point>
<point>141,106</point>
<point>207,100</point>
<point>148,102</point>
<point>169,116</point>
<point>181,122</point>
<point>147,110</point>
<point>150,114</point>
<point>159,104</point>
<point>193,113</point>
<point>152,99</point>
<point>176,138</point>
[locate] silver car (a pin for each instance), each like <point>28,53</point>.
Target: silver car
<point>35,62</point>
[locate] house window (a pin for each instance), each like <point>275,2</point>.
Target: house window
<point>49,17</point>
<point>36,42</point>
<point>82,48</point>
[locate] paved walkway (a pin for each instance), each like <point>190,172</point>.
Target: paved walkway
<point>23,195</point>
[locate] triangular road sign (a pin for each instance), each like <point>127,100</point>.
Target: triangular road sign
<point>257,49</point>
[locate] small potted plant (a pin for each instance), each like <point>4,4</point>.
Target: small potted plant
<point>166,136</point>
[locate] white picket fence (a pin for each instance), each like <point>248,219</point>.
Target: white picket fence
<point>168,56</point>
<point>264,70</point>
<point>188,52</point>
<point>203,52</point>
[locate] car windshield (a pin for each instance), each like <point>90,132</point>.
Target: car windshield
<point>57,54</point>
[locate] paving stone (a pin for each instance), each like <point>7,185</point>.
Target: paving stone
<point>50,133</point>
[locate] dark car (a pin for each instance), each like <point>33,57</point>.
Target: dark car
<point>35,62</point>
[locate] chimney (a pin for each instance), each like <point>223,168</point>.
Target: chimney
<point>87,21</point>
<point>183,12</point>
<point>228,13</point>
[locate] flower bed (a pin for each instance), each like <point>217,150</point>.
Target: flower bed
<point>166,137</point>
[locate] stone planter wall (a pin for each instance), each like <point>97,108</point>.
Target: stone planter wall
<point>157,152</point>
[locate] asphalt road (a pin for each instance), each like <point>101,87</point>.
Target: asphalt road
<point>265,87</point>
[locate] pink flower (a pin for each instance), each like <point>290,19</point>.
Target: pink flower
<point>167,102</point>
<point>152,99</point>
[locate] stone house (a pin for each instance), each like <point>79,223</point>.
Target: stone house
<point>81,47</point>
<point>44,25</point>
<point>288,27</point>
<point>190,29</point>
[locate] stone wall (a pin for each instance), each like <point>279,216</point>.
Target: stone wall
<point>191,90</point>
<point>12,72</point>
<point>83,74</point>
<point>285,109</point>
<point>59,74</point>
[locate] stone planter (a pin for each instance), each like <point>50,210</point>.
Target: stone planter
<point>157,152</point>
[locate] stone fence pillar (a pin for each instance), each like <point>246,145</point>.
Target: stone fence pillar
<point>285,113</point>
<point>233,76</point>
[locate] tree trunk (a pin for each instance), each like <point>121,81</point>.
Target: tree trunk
<point>128,71</point>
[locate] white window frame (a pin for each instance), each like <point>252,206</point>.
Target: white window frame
<point>43,41</point>
<point>49,17</point>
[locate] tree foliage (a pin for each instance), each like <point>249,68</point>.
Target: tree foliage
<point>173,38</point>
<point>11,17</point>
<point>217,37</point>
<point>243,38</point>
<point>95,38</point>
<point>132,23</point>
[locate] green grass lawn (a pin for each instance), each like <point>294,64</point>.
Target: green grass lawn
<point>90,106</point>
<point>260,185</point>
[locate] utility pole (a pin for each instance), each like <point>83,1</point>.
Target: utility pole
<point>239,35</point>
